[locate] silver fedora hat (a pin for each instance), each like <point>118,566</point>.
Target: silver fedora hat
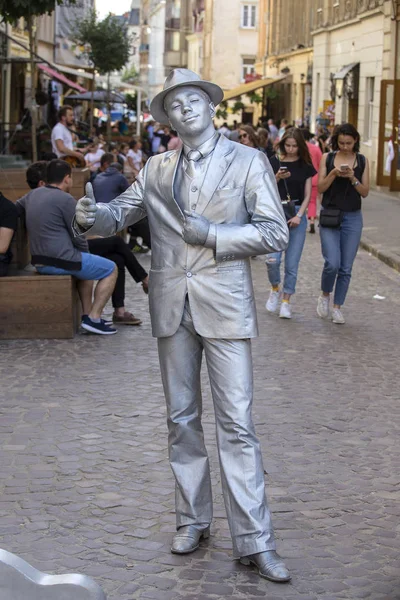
<point>178,78</point>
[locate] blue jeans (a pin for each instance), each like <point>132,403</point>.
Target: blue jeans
<point>339,249</point>
<point>297,237</point>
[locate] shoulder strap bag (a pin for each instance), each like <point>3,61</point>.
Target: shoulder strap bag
<point>288,205</point>
<point>330,216</point>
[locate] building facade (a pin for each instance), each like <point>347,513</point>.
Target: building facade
<point>165,25</point>
<point>355,53</point>
<point>285,50</point>
<point>222,47</point>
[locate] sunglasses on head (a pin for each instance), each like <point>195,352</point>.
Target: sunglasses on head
<point>243,135</point>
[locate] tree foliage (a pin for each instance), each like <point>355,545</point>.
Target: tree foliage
<point>254,98</point>
<point>221,114</point>
<point>11,10</point>
<point>131,100</point>
<point>238,106</point>
<point>107,42</point>
<point>130,75</point>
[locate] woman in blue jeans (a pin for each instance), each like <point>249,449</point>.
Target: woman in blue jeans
<point>343,181</point>
<point>293,171</point>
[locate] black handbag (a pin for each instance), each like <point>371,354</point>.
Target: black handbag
<point>331,217</point>
<point>288,205</point>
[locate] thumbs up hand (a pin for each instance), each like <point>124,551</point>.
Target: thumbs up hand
<point>86,208</point>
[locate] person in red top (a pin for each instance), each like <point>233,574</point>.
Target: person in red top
<point>316,155</point>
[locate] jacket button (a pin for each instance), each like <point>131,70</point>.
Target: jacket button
<point>194,188</point>
<point>193,207</point>
<point>188,274</point>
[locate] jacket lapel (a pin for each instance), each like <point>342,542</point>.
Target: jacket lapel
<point>220,161</point>
<point>169,174</point>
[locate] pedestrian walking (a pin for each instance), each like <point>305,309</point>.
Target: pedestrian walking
<point>343,181</point>
<point>248,137</point>
<point>283,126</point>
<point>175,143</point>
<point>316,156</point>
<point>293,172</point>
<point>265,142</point>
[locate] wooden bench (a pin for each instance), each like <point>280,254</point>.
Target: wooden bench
<point>36,306</point>
<point>13,183</point>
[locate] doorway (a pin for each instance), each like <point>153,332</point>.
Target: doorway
<point>388,173</point>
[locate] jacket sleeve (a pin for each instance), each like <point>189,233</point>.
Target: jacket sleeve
<point>68,212</point>
<point>127,209</point>
<point>267,230</point>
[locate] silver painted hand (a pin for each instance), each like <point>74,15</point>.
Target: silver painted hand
<point>86,208</point>
<point>195,230</point>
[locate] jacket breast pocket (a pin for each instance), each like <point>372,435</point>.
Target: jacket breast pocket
<point>230,265</point>
<point>228,193</point>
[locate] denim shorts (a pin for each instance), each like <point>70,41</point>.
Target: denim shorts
<point>93,267</point>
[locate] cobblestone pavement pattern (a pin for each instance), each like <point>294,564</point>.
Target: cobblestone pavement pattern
<point>84,478</point>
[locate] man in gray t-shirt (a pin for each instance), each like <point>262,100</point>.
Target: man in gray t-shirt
<point>49,211</point>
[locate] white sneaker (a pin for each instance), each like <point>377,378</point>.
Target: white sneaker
<point>337,316</point>
<point>323,306</point>
<point>286,311</point>
<point>273,301</point>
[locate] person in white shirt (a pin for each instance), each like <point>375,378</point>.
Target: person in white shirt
<point>94,155</point>
<point>62,138</point>
<point>135,156</point>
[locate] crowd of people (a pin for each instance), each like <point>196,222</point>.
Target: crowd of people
<point>310,169</point>
<point>323,169</point>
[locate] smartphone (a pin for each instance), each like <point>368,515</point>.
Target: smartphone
<point>344,167</point>
<point>283,169</point>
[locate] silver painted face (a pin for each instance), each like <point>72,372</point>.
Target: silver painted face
<point>189,110</point>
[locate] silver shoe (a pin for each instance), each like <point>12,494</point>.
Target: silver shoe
<point>269,565</point>
<point>187,539</point>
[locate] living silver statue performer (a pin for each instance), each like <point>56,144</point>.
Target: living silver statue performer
<point>210,206</point>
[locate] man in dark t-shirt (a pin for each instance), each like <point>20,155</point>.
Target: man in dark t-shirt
<point>8,226</point>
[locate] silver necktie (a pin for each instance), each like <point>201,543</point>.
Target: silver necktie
<point>192,157</point>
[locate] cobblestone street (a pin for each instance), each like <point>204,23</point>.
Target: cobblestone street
<point>85,484</point>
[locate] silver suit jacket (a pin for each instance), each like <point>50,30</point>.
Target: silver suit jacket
<point>240,196</point>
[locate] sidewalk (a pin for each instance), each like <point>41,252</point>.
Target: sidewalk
<point>85,484</point>
<point>381,233</point>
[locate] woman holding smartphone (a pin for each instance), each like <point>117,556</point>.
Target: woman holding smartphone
<point>343,180</point>
<point>293,172</point>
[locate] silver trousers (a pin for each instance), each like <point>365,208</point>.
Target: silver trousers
<point>230,369</point>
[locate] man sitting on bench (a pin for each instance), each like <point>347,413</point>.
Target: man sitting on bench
<point>49,211</point>
<point>8,225</point>
<point>36,174</point>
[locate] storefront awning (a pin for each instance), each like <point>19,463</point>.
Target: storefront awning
<point>344,71</point>
<point>60,77</point>
<point>71,71</point>
<point>247,88</point>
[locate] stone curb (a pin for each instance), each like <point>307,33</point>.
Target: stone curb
<point>386,257</point>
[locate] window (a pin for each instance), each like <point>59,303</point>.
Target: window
<point>248,67</point>
<point>249,16</point>
<point>369,108</point>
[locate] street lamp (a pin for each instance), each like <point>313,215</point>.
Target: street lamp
<point>339,87</point>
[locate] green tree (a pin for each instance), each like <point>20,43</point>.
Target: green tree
<point>11,11</point>
<point>107,45</point>
<point>130,75</point>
